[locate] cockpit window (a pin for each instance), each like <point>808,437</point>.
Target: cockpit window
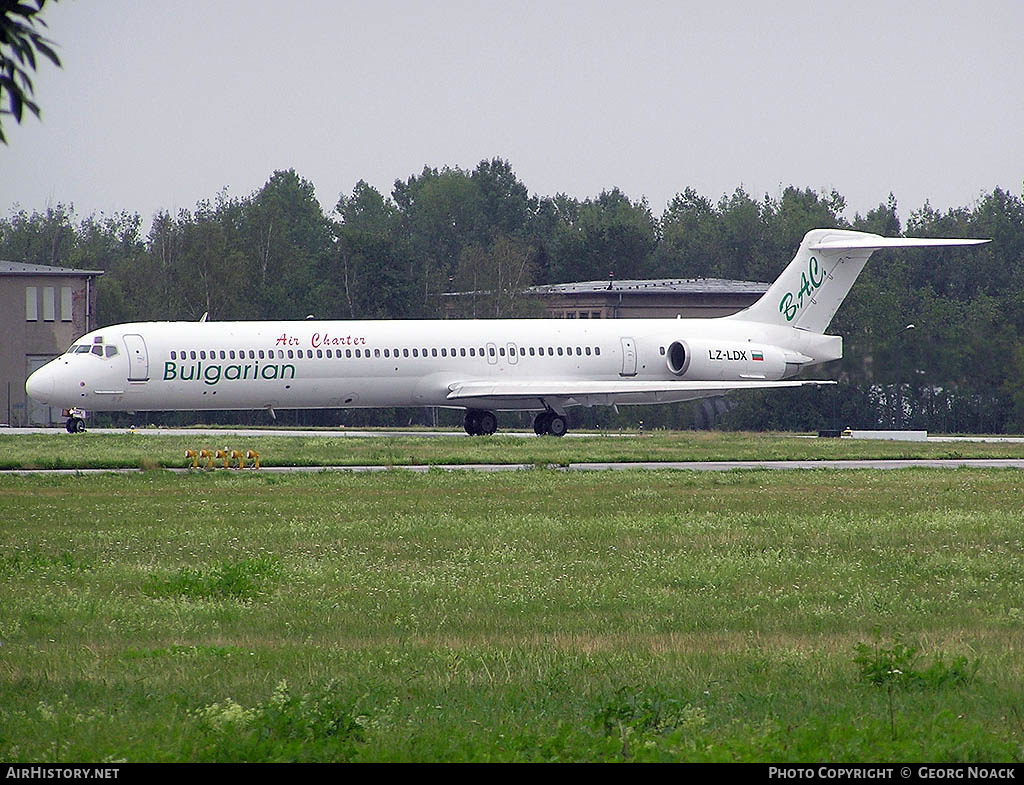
<point>83,349</point>
<point>97,350</point>
<point>111,351</point>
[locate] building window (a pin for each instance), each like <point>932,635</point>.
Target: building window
<point>31,304</point>
<point>65,303</point>
<point>49,304</point>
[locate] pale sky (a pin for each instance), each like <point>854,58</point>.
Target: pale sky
<point>162,103</point>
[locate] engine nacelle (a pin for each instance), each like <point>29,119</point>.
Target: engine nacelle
<point>728,361</point>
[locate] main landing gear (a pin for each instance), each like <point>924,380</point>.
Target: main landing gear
<point>550,422</point>
<point>480,422</point>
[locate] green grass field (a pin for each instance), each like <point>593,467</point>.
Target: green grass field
<point>98,450</point>
<point>532,615</point>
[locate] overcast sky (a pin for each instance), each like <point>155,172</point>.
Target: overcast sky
<point>160,104</point>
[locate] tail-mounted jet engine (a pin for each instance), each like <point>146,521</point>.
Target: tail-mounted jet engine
<point>729,360</point>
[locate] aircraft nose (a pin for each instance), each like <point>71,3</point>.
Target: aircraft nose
<point>39,385</point>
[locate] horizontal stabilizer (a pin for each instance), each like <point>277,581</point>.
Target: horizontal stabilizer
<point>876,242</point>
<point>812,287</point>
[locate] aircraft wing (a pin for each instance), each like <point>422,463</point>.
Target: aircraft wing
<point>622,389</point>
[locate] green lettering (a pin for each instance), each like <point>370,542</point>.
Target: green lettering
<point>170,371</point>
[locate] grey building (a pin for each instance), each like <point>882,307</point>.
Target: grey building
<point>661,298</point>
<point>649,299</point>
<point>43,310</point>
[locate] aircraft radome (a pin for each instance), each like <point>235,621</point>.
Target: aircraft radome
<point>483,366</point>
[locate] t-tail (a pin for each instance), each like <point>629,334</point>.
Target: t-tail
<point>811,289</point>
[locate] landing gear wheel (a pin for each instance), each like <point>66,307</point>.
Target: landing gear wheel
<point>541,423</point>
<point>488,423</point>
<point>558,425</point>
<point>480,423</point>
<point>75,425</point>
<point>550,423</point>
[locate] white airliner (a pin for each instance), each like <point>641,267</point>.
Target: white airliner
<point>482,366</point>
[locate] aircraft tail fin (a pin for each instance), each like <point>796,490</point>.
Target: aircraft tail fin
<point>810,290</point>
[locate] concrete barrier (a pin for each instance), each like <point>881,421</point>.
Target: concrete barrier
<point>891,436</point>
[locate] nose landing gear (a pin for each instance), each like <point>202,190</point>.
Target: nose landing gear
<point>76,420</point>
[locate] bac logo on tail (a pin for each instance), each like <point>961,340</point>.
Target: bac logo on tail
<point>810,282</point>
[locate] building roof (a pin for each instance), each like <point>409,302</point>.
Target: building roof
<point>23,268</point>
<point>655,286</point>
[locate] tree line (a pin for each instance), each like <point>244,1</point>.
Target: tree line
<point>277,254</point>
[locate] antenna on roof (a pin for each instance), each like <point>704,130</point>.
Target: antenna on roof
<point>611,279</point>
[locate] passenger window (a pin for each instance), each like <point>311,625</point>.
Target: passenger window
<point>202,354</point>
<point>491,350</point>
<point>376,352</point>
<point>405,352</point>
<point>587,351</point>
<point>597,350</point>
<point>462,352</point>
<point>348,353</point>
<point>531,351</point>
<point>433,352</point>
<point>501,351</point>
<point>579,351</point>
<point>174,355</point>
<point>559,351</point>
<point>472,351</point>
<point>291,354</point>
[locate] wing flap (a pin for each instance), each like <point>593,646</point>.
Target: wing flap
<point>556,388</point>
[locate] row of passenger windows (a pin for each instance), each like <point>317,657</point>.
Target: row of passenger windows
<point>444,351</point>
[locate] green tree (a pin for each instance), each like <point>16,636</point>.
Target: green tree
<point>610,235</point>
<point>20,43</point>
<point>367,272</point>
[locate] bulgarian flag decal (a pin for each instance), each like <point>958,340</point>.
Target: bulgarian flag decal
<point>759,356</point>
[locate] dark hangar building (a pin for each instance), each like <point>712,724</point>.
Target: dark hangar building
<point>43,309</point>
<point>663,298</point>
